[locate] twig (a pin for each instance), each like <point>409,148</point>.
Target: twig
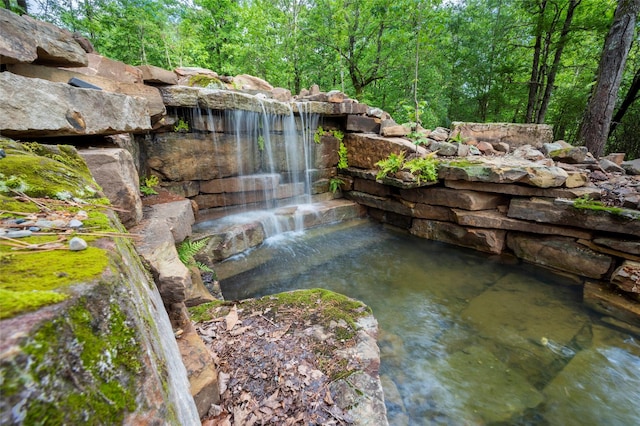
<point>33,200</point>
<point>18,213</point>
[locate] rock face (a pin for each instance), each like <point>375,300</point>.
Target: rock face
<point>114,171</point>
<point>487,240</point>
<point>627,277</point>
<point>365,150</point>
<point>35,107</point>
<point>513,134</point>
<point>25,40</point>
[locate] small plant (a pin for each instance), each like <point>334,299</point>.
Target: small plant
<point>335,184</point>
<point>181,126</point>
<point>318,134</point>
<point>392,164</point>
<point>338,135</point>
<point>457,138</point>
<point>418,139</point>
<point>187,249</point>
<point>342,157</point>
<point>424,169</point>
<point>261,143</point>
<point>147,184</point>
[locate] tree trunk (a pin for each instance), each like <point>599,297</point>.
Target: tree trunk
<point>551,78</point>
<point>533,81</point>
<point>629,99</point>
<point>596,121</point>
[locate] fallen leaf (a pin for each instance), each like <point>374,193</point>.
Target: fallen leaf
<point>232,318</point>
<point>279,333</point>
<point>223,381</point>
<point>239,331</point>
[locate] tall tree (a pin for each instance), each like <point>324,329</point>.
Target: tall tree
<point>594,128</point>
<point>629,99</point>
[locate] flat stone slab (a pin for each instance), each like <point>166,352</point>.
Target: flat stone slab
<point>513,134</point>
<point>461,199</point>
<point>603,298</point>
<point>364,150</point>
<point>487,240</point>
<point>380,203</point>
<point>35,107</point>
<point>523,190</point>
<point>540,210</point>
<point>495,219</point>
<point>262,182</point>
<point>627,277</point>
<point>503,170</point>
<point>560,253</point>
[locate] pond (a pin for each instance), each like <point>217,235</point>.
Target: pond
<point>465,338</point>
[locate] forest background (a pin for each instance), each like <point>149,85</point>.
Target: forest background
<point>523,61</point>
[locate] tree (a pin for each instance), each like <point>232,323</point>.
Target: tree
<point>596,121</point>
<point>629,99</point>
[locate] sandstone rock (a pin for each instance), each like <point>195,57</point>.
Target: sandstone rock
<point>528,152</point>
<point>83,42</point>
<point>314,90</point>
<point>371,187</point>
<point>428,211</point>
<point>180,96</point>
<point>616,157</point>
<point>197,294</point>
<point>486,240</point>
<point>151,94</point>
<point>514,134</point>
<point>496,220</point>
<point>187,189</point>
<point>158,250</point>
<point>555,146</point>
<point>464,150</point>
<point>525,191</point>
<point>335,96</point>
<point>184,157</point>
<point>439,134</point>
<point>486,148</point>
<point>468,200</point>
<point>110,69</point>
<point>627,246</point>
<point>114,171</point>
<point>249,82</point>
<point>571,155</point>
<point>378,113</point>
<point>394,219</point>
<point>35,107</point>
<point>325,154</point>
<point>282,191</point>
<point>546,177</point>
<point>26,40</point>
<point>360,124</point>
<point>282,95</point>
<point>604,299</point>
<point>540,210</point>
<point>380,203</point>
<point>609,166</point>
<point>365,150</point>
<point>559,253</point>
<point>263,182</point>
<point>157,75</point>
<point>576,179</point>
<point>203,378</point>
<point>444,148</point>
<point>185,74</point>
<point>627,276</point>
<point>501,147</point>
<point>229,241</point>
<point>178,215</point>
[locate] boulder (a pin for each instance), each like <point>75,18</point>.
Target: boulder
<point>560,253</point>
<point>632,167</point>
<point>360,124</point>
<point>563,213</point>
<point>157,75</point>
<point>26,40</point>
<point>467,200</point>
<point>514,134</point>
<point>486,240</point>
<point>61,75</point>
<point>439,134</point>
<point>35,107</point>
<point>335,96</point>
<point>198,293</point>
<point>364,150</point>
<point>627,277</point>
<point>249,82</point>
<point>281,94</point>
<point>609,166</point>
<point>178,215</point>
<point>391,129</point>
<point>114,170</point>
<point>101,66</point>
<point>231,240</point>
<point>570,155</point>
<point>444,148</point>
<point>185,74</point>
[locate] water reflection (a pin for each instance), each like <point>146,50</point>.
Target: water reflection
<point>464,337</point>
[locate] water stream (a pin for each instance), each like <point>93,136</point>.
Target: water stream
<point>465,338</point>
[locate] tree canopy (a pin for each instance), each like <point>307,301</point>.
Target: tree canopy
<point>454,60</point>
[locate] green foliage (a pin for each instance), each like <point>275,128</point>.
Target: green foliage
<point>588,203</point>
<point>392,164</point>
<point>418,139</point>
<point>335,184</point>
<point>318,134</point>
<point>261,143</point>
<point>342,156</point>
<point>181,126</point>
<point>147,184</point>
<point>457,138</point>
<point>188,249</point>
<point>424,169</point>
<point>338,135</point>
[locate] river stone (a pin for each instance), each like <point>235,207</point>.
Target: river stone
<point>560,253</point>
<point>486,240</point>
<point>627,276</point>
<point>35,107</point>
<point>114,171</point>
<point>25,40</point>
<point>364,150</point>
<point>467,200</point>
<point>563,213</point>
<point>481,389</point>
<point>77,244</point>
<point>514,134</point>
<point>603,373</point>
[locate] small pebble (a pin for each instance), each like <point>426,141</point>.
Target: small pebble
<point>34,229</point>
<point>82,215</point>
<point>19,221</point>
<point>2,153</point>
<point>77,244</point>
<point>18,234</point>
<point>44,224</point>
<point>74,223</point>
<point>59,223</point>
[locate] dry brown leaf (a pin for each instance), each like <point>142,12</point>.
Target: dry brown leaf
<point>232,318</point>
<point>239,331</point>
<point>279,333</point>
<point>223,381</point>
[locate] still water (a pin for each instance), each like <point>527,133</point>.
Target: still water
<point>465,338</point>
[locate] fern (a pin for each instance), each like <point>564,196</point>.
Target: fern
<point>423,169</point>
<point>392,164</point>
<point>187,249</point>
<point>342,156</point>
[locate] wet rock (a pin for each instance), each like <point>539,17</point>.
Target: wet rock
<point>77,244</point>
<point>562,254</point>
<point>486,240</point>
<point>627,277</point>
<point>627,246</point>
<point>608,300</point>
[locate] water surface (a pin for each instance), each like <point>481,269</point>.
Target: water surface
<point>465,338</point>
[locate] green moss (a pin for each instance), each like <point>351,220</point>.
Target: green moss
<point>462,163</point>
<point>10,204</point>
<point>560,152</point>
<point>586,203</point>
<point>103,367</point>
<point>206,81</point>
<point>15,302</point>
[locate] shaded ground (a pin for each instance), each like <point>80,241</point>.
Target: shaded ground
<point>278,356</point>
